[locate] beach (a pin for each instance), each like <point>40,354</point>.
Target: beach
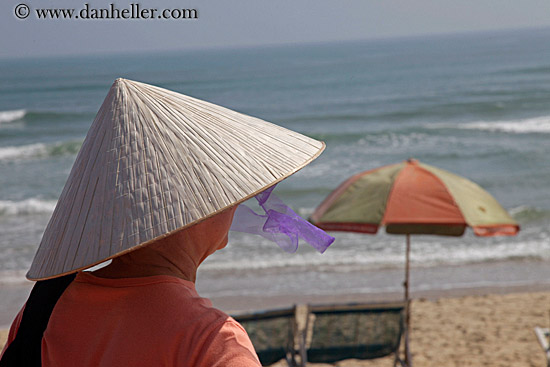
<point>494,330</point>
<point>461,327</point>
<point>491,330</point>
<point>488,327</point>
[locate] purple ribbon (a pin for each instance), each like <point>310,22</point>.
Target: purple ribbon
<point>279,224</point>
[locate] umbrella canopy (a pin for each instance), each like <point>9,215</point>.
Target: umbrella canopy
<point>412,198</point>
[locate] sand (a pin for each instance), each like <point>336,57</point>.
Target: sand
<point>476,330</point>
<point>491,330</point>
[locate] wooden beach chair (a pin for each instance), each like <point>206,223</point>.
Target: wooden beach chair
<point>272,334</point>
<point>360,331</point>
<point>543,335</point>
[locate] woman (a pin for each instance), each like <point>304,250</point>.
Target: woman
<point>154,189</point>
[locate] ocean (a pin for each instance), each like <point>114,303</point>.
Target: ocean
<point>474,104</point>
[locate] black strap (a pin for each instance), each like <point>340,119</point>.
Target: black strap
<point>25,349</point>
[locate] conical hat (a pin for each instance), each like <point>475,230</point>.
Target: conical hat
<point>154,162</point>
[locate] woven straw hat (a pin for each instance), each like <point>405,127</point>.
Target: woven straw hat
<point>155,162</point>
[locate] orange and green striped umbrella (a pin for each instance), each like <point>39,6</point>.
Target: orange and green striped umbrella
<point>412,198</point>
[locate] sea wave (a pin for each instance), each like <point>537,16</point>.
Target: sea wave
<point>380,135</point>
<point>41,116</point>
<point>66,87</point>
<point>12,115</point>
<point>541,69</point>
<point>353,261</point>
<point>57,116</point>
<point>526,213</point>
<point>23,151</point>
<point>353,252</point>
<point>26,207</point>
<point>39,150</point>
<point>524,126</point>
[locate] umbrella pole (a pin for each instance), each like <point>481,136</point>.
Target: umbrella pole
<point>408,358</point>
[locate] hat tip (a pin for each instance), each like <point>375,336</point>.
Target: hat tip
<point>119,81</point>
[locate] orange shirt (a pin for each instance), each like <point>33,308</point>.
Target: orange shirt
<point>150,321</point>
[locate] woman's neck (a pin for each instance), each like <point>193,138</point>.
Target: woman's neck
<point>150,262</point>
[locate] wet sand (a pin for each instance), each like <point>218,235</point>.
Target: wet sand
<point>473,330</point>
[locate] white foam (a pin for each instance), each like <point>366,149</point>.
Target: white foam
<point>27,206</point>
<point>13,115</point>
<point>38,150</point>
<point>519,209</point>
<point>353,251</point>
<point>531,125</point>
<point>23,151</point>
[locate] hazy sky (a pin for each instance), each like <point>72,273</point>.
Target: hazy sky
<point>254,22</point>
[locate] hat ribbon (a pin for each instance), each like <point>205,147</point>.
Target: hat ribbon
<point>279,224</point>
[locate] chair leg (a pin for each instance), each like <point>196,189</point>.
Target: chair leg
<point>398,361</point>
<point>291,362</point>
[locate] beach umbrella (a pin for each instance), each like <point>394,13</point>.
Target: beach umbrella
<point>412,198</point>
